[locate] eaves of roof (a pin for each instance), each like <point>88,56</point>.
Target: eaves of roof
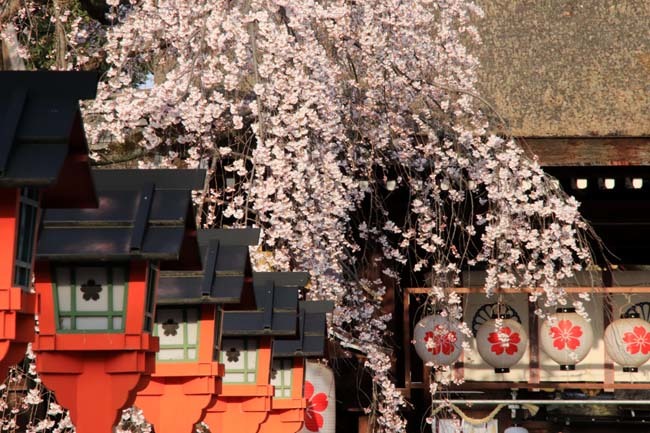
<point>312,332</point>
<point>42,140</point>
<point>144,218</point>
<point>226,270</point>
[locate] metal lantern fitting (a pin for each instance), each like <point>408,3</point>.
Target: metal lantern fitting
<point>566,338</point>
<point>96,274</point>
<point>515,429</point>
<point>438,340</point>
<point>43,163</point>
<point>627,341</point>
<point>501,343</point>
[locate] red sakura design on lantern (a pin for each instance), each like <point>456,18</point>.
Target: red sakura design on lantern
<point>566,334</point>
<point>566,337</point>
<point>637,341</point>
<point>440,340</point>
<point>315,404</point>
<point>504,340</point>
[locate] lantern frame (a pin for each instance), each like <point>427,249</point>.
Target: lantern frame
<point>42,148</point>
<point>193,383</point>
<point>112,310</point>
<point>17,305</point>
<point>288,410</point>
<point>270,311</point>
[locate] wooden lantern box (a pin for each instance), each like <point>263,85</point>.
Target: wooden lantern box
<point>246,393</point>
<point>288,404</point>
<point>188,321</point>
<point>43,163</point>
<point>96,275</point>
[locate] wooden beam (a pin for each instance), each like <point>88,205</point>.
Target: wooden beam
<point>587,289</point>
<point>489,386</point>
<point>572,151</point>
<point>363,424</point>
<point>407,339</point>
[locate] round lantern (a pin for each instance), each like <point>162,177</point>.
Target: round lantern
<point>566,338</point>
<point>320,413</point>
<point>627,341</point>
<point>515,429</point>
<point>438,340</point>
<point>501,346</point>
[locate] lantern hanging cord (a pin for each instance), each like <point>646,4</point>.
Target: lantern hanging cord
<point>476,421</point>
<point>500,306</point>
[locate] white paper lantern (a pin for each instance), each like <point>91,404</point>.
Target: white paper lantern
<point>438,340</point>
<point>515,429</point>
<point>501,346</point>
<point>627,342</point>
<point>566,338</point>
<point>320,414</point>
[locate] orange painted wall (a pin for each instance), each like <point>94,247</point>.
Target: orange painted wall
<point>8,229</point>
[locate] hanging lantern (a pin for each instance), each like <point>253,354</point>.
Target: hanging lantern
<point>566,338</point>
<point>502,344</point>
<point>438,340</point>
<point>320,392</point>
<point>627,341</point>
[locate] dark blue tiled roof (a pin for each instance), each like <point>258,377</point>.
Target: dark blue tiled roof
<point>312,332</point>
<point>276,306</point>
<point>141,214</point>
<point>226,268</point>
<point>42,140</point>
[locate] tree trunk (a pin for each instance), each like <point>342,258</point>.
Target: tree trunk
<point>60,43</point>
<point>9,58</point>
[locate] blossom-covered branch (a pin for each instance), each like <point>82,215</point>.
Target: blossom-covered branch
<point>312,117</point>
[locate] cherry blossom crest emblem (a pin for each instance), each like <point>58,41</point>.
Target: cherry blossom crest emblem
<point>638,341</point>
<point>440,340</point>
<point>315,405</point>
<point>566,338</point>
<point>627,342</point>
<point>503,341</point>
<point>566,334</point>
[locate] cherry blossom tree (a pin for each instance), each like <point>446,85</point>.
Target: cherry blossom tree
<point>352,133</point>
